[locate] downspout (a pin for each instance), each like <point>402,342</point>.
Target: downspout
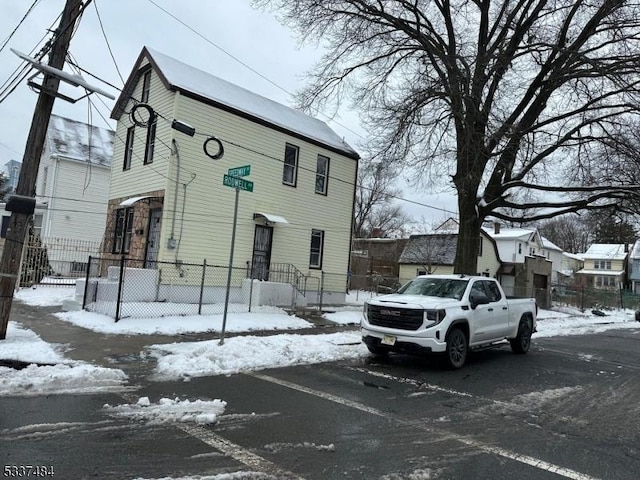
<point>52,198</point>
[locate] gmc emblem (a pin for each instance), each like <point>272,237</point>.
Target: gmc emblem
<point>391,313</point>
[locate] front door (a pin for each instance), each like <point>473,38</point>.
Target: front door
<point>153,238</point>
<point>261,252</point>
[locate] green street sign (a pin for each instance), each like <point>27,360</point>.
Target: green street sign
<point>239,171</point>
<point>236,182</point>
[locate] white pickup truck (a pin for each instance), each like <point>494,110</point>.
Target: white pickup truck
<point>448,314</point>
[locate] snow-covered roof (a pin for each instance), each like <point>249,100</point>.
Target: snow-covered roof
<point>635,250</point>
<point>510,233</point>
<point>180,76</point>
<point>574,256</point>
<point>79,141</point>
<point>606,251</point>
<point>549,245</point>
<point>601,272</point>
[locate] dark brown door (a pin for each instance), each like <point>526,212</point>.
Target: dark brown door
<point>261,252</point>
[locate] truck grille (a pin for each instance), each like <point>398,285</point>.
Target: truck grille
<point>390,317</point>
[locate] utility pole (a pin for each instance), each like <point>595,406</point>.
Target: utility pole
<point>18,223</point>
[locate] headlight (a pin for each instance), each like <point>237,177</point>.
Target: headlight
<point>433,317</point>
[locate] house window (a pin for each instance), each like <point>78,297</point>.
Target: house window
<point>128,148</point>
<point>602,264</point>
<point>5,225</point>
<point>480,247</point>
<point>45,174</point>
<point>317,245</point>
<point>37,225</point>
<point>606,281</point>
<point>122,231</point>
<point>519,248</point>
<point>290,172</point>
<point>322,174</point>
<point>146,86</point>
<point>532,251</point>
<point>151,140</point>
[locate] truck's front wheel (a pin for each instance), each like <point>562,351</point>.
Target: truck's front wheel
<point>457,348</point>
<point>522,342</point>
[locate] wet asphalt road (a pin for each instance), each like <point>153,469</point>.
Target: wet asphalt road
<point>568,409</point>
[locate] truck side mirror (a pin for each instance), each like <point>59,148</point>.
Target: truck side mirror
<point>476,299</point>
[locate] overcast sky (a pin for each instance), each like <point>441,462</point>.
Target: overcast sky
<point>252,40</point>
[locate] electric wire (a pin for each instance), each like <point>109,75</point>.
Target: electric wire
<point>4,44</point>
<point>104,34</point>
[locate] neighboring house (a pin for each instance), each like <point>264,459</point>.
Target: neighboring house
<point>553,253</point>
<point>38,215</point>
<point>525,270</point>
<point>12,167</point>
<point>634,267</point>
<point>435,253</point>
<point>167,200</point>
<point>604,266</point>
<point>73,182</point>
<point>571,263</point>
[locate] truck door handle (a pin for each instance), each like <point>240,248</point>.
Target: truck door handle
<point>489,309</point>
<point>504,308</point>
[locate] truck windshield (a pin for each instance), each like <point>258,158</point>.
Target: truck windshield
<point>435,287</point>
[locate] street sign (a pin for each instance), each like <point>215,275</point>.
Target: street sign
<point>239,171</point>
<point>236,182</point>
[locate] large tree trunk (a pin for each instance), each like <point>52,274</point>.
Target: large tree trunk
<point>467,248</point>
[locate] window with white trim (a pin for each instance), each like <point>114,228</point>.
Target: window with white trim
<point>317,246</point>
<point>290,170</point>
<point>322,174</point>
<point>151,140</point>
<point>128,148</point>
<point>602,264</point>
<point>146,86</point>
<point>606,281</point>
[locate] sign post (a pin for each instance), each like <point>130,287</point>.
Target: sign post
<point>232,179</point>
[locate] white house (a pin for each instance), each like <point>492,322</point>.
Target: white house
<point>73,184</point>
<point>553,253</point>
<point>604,265</point>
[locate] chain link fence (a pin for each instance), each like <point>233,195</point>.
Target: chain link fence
<point>55,261</point>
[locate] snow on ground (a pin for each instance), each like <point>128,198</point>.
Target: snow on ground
<point>167,410</point>
<point>236,354</point>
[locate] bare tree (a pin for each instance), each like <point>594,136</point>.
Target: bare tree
<point>430,250</point>
<point>374,207</point>
<point>569,232</point>
<point>502,96</point>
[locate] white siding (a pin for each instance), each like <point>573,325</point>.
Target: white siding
<point>77,202</point>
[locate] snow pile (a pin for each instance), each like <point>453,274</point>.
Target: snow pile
<point>167,410</point>
<point>238,354</point>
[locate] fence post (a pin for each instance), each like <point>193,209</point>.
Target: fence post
<point>204,272</point>
<point>321,290</point>
<point>582,298</point>
<point>250,291</point>
<point>120,283</point>
<point>86,283</point>
<point>621,298</point>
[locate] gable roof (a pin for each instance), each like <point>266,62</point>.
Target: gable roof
<point>208,88</point>
<point>78,141</point>
<point>606,251</point>
<point>435,248</point>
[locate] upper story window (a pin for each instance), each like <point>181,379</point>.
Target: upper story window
<point>151,140</point>
<point>602,264</point>
<point>290,171</point>
<point>519,248</point>
<point>322,174</point>
<point>480,247</point>
<point>122,230</point>
<point>316,250</point>
<point>128,148</point>
<point>146,86</point>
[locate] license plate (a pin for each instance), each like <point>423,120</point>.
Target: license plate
<point>388,340</point>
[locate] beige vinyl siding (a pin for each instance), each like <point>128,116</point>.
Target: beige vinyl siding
<point>616,265</point>
<point>488,262</point>
<point>143,178</point>
<point>206,230</point>
<point>78,204</point>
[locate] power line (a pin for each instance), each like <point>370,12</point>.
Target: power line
<point>4,44</point>
<point>104,34</point>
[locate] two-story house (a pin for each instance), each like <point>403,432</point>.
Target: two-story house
<point>179,132</point>
<point>634,267</point>
<point>604,266</point>
<point>525,270</point>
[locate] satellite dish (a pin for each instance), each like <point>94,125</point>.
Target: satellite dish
<point>75,80</point>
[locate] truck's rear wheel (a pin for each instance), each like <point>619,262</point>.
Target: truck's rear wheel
<point>522,342</point>
<point>457,348</point>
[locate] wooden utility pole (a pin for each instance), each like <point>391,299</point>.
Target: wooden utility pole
<point>18,223</point>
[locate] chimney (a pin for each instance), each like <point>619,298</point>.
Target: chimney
<point>496,227</point>
<point>376,232</point>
